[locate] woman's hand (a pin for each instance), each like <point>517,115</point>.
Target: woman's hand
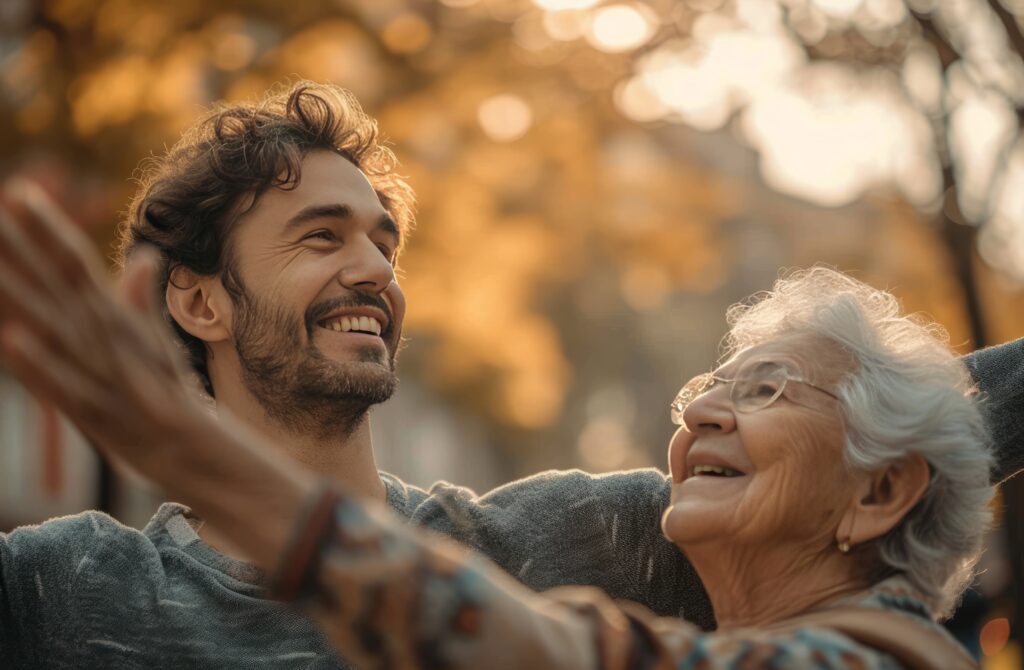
<point>106,363</point>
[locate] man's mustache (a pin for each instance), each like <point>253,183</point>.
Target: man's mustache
<point>321,310</point>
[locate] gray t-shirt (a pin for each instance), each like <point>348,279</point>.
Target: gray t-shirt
<point>86,591</point>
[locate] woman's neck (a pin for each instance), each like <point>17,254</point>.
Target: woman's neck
<point>755,586</point>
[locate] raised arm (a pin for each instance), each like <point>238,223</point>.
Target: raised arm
<point>389,595</point>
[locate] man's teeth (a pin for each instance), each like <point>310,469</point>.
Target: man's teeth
<point>344,324</point>
<point>715,470</point>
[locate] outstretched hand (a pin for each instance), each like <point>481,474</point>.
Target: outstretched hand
<point>105,360</point>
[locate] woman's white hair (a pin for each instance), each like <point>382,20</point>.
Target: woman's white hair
<point>907,393</point>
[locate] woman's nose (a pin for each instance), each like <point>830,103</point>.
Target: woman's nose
<point>712,411</point>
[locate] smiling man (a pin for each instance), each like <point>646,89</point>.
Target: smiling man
<point>298,332</point>
<point>279,269</point>
<point>278,226</point>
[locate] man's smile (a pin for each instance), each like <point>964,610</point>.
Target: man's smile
<point>362,320</point>
<point>356,324</point>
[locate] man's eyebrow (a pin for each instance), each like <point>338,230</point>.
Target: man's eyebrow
<point>313,212</point>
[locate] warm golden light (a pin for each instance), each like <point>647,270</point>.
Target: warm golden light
<point>573,234</point>
<point>922,77</point>
<point>981,126</point>
<point>638,102</point>
<point>407,33</point>
<point>561,5</point>
<point>645,287</point>
<point>505,117</point>
<point>565,26</point>
<point>705,80</point>
<point>234,51</point>
<point>838,8</point>
<point>1001,241</point>
<point>885,13</point>
<point>604,444</point>
<point>837,134</point>
<point>618,28</point>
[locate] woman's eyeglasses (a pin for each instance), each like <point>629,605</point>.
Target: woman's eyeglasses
<point>754,388</point>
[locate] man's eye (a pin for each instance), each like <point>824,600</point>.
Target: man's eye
<point>321,235</point>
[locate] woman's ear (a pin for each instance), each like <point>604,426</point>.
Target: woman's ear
<point>195,303</point>
<point>885,498</point>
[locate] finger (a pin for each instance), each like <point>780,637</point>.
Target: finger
<point>139,282</point>
<point>48,376</point>
<point>20,302</point>
<point>139,288</point>
<point>54,233</point>
<point>36,268</point>
<point>19,253</point>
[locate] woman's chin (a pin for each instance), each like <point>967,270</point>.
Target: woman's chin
<point>690,521</point>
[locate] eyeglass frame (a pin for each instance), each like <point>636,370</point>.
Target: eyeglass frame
<point>676,407</point>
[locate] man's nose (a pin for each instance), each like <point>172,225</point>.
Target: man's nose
<point>711,412</point>
<point>366,268</point>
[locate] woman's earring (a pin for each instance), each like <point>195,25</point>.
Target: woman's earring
<point>844,545</point>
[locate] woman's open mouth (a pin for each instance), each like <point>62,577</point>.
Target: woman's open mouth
<point>714,471</point>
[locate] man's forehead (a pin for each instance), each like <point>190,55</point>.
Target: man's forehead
<point>325,177</point>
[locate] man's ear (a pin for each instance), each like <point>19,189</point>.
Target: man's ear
<point>199,304</point>
<point>884,499</point>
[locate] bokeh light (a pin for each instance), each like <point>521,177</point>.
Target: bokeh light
<point>566,25</point>
<point>561,5</point>
<point>505,117</point>
<point>838,8</point>
<point>621,27</point>
<point>407,33</point>
<point>994,635</point>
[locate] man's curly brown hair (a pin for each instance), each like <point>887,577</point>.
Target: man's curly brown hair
<point>189,199</point>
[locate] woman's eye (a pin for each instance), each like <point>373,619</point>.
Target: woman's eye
<point>765,389</point>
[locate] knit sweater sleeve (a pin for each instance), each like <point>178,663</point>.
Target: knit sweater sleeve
<point>8,635</point>
<point>39,569</point>
<point>999,373</point>
<point>570,527</point>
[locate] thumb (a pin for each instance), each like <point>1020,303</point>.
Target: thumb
<point>139,281</point>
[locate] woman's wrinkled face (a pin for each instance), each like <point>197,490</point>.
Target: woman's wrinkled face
<point>772,475</point>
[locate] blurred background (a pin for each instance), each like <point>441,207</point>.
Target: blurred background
<point>597,182</point>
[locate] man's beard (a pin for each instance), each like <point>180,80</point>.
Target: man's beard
<point>294,382</point>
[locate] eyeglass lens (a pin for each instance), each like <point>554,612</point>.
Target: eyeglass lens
<point>758,386</point>
<point>754,388</point>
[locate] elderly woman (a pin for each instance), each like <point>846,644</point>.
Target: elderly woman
<point>830,485</point>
